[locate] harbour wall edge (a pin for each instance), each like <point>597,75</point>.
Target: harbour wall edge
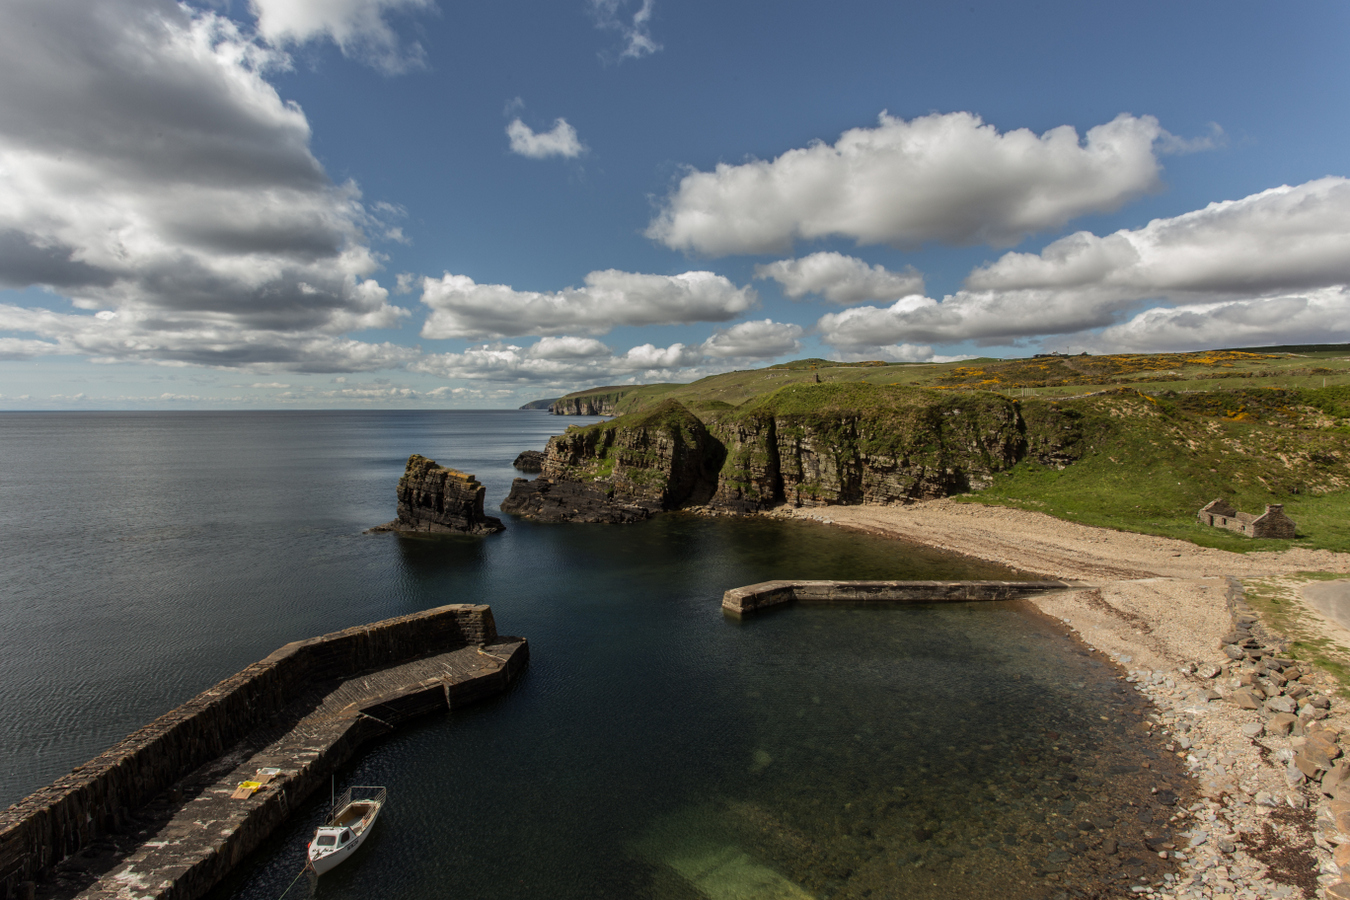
<point>92,800</point>
<point>751,598</point>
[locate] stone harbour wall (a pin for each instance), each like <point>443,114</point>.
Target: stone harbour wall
<point>742,600</point>
<point>93,799</point>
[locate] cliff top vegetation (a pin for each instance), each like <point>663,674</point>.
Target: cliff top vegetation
<point>1320,365</point>
<point>1157,435</point>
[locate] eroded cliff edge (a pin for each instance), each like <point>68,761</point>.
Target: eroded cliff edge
<point>804,445</point>
<point>594,402</point>
<point>434,498</point>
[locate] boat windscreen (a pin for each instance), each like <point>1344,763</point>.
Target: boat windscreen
<point>326,840</point>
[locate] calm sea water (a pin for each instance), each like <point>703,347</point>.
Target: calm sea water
<point>653,748</point>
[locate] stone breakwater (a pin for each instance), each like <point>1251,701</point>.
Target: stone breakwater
<point>742,600</point>
<point>435,498</point>
<point>160,815</point>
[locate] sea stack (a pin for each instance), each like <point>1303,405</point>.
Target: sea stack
<point>434,498</point>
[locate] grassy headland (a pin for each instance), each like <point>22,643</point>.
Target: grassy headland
<point>1141,440</point>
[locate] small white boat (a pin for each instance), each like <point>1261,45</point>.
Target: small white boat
<point>349,822</point>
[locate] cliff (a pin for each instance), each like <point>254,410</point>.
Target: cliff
<point>540,404</point>
<point>807,445</point>
<point>816,445</point>
<point>622,471</point>
<point>596,402</point>
<point>434,498</point>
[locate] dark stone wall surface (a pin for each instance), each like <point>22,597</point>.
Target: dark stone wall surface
<point>739,601</point>
<point>62,818</point>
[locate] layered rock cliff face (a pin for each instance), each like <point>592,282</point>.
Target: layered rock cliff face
<point>437,499</point>
<point>622,471</point>
<point>817,446</point>
<point>808,445</point>
<point>591,405</point>
<point>595,402</point>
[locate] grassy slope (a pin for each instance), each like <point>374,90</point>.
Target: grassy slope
<point>1247,426</point>
<point>1150,466</point>
<point>1045,377</point>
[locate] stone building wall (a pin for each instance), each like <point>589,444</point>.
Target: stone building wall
<point>1272,523</point>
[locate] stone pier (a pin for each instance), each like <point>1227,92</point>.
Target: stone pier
<point>742,600</point>
<point>171,809</point>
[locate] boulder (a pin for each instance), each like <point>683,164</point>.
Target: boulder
<point>1281,723</point>
<point>530,461</point>
<point>433,498</point>
<point>1311,762</point>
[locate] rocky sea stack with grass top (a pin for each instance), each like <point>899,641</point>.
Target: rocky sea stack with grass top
<point>433,498</point>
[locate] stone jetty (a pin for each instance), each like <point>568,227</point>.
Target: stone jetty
<point>171,809</point>
<point>742,600</point>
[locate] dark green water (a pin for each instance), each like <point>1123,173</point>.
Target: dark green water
<point>653,748</point>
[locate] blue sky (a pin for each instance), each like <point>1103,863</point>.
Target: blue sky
<point>355,203</point>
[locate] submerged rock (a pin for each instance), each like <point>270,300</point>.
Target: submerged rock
<point>433,498</point>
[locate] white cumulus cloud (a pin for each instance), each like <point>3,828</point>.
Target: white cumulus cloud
<point>569,360</point>
<point>153,177</point>
<point>1318,316</point>
<point>360,28</point>
<point>1285,237</point>
<point>764,339</point>
<point>909,353</point>
<point>609,298</point>
<point>560,141</point>
<point>943,177</point>
<point>566,360</point>
<point>1271,267</point>
<point>840,279</point>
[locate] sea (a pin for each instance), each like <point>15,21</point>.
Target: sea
<point>654,748</point>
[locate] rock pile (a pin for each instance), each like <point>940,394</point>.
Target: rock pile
<point>1259,734</point>
<point>434,498</point>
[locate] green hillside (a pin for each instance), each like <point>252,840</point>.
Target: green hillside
<point>1158,435</point>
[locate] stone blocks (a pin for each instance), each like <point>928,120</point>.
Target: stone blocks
<point>64,817</point>
<point>742,600</point>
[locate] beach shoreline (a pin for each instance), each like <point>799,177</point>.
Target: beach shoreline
<point>1163,610</point>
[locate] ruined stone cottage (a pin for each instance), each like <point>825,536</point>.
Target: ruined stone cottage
<point>1272,523</point>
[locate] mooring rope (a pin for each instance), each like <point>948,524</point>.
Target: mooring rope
<point>303,872</point>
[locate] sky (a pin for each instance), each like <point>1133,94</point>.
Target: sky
<point>269,204</point>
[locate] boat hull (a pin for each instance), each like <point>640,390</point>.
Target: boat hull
<point>352,820</point>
